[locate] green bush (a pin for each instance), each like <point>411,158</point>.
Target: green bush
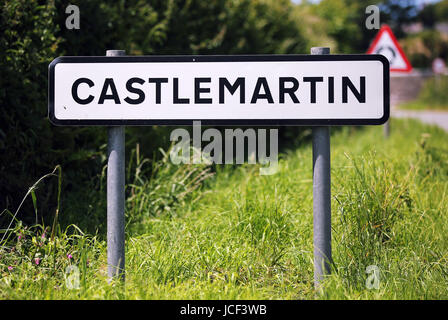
<point>34,33</point>
<point>27,143</point>
<point>422,48</point>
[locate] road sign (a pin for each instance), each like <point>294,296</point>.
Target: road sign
<point>438,66</point>
<point>387,45</point>
<point>221,90</point>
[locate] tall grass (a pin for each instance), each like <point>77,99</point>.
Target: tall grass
<point>160,188</point>
<point>239,235</point>
<point>374,200</point>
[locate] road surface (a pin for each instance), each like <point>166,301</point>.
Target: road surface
<point>439,118</point>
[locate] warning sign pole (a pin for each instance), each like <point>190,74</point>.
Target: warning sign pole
<point>386,129</point>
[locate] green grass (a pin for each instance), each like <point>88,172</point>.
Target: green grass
<point>419,105</point>
<point>239,235</point>
<point>432,96</point>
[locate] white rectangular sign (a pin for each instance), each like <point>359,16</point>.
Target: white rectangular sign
<point>227,90</point>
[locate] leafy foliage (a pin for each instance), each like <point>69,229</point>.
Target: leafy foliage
<point>27,45</point>
<point>422,48</point>
<point>346,20</point>
<point>34,33</point>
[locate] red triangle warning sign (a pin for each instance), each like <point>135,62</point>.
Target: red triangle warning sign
<point>386,44</point>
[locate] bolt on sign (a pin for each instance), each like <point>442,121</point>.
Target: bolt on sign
<point>220,90</point>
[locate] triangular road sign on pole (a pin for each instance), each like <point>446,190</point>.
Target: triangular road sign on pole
<point>386,44</point>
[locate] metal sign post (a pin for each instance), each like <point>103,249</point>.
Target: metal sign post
<point>321,196</point>
<point>115,196</point>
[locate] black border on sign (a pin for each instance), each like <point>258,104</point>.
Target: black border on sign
<point>222,58</point>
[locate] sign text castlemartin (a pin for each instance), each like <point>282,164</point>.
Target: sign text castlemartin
<point>285,89</point>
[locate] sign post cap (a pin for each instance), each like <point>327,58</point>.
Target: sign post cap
<point>320,50</point>
<point>112,53</point>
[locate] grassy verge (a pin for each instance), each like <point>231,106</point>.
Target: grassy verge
<point>418,105</point>
<point>432,96</point>
<point>244,236</point>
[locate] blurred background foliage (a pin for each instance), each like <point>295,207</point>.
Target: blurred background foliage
<point>33,33</point>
